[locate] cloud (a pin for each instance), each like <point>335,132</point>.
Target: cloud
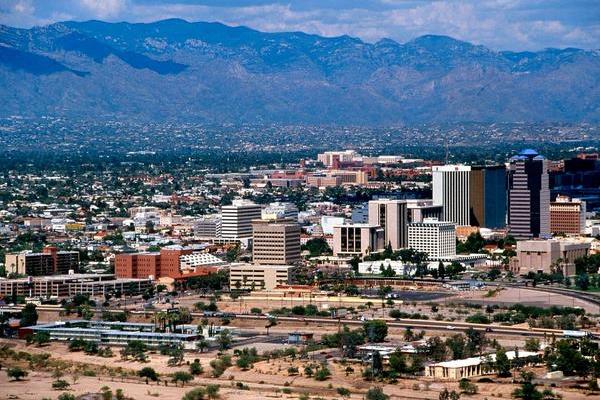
<point>499,24</point>
<point>105,8</point>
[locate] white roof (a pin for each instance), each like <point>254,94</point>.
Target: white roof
<point>466,362</point>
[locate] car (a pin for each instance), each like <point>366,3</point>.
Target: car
<point>488,329</point>
<point>450,327</point>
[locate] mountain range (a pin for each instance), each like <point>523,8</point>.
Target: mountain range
<point>173,70</point>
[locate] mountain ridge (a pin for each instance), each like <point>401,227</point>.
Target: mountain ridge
<point>210,72</point>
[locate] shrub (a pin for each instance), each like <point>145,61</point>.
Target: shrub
<point>60,384</point>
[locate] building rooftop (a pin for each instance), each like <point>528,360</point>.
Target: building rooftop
<point>467,362</point>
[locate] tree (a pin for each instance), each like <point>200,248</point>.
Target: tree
<point>212,391</point>
<point>176,356</point>
<point>375,330</point>
<point>582,281</point>
<point>322,373</point>
<point>342,391</point>
<point>317,247</point>
<point>29,315</point>
<point>308,371</point>
<point>436,349</point>
<point>396,314</point>
<point>376,393</point>
<point>195,394</point>
<point>148,373</point>
<point>446,395</point>
<point>441,270</point>
<point>397,362</point>
<point>475,341</point>
<point>566,357</point>
<point>272,321</point>
<point>201,345</point>
<point>456,344</point>
<point>224,339</point>
<point>16,373</point>
<point>183,377</point>
<point>196,367</point>
<point>532,344</point>
<point>66,396</point>
<point>60,384</point>
<point>135,348</point>
<point>527,391</point>
<point>467,387</point>
<point>502,363</point>
<point>41,338</point>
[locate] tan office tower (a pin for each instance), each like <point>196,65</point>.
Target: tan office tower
<point>357,239</point>
<point>275,242</point>
<point>392,216</point>
<point>567,215</point>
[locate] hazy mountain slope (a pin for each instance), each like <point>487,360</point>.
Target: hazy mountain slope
<point>210,72</point>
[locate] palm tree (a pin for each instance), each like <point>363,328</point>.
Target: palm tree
<point>161,317</point>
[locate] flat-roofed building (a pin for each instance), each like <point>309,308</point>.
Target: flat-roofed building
<point>275,242</point>
<point>279,210</point>
<point>476,366</point>
<point>208,226</point>
<point>548,255</point>
<point>328,158</point>
<point>451,190</point>
<point>357,239</point>
<point>237,219</point>
<point>436,238</point>
<point>50,261</point>
<point>528,196</point>
<point>420,209</point>
<point>255,277</point>
<point>567,215</point>
<point>392,216</point>
<point>59,286</point>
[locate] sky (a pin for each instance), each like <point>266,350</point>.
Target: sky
<point>498,24</point>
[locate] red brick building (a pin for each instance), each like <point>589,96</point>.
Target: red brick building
<point>158,265</point>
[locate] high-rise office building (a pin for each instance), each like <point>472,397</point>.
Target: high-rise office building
<point>236,219</point>
<point>275,242</point>
<point>436,238</point>
<point>419,209</point>
<point>528,196</point>
<point>488,196</point>
<point>392,216</point>
<point>567,215</point>
<point>357,239</point>
<point>451,190</point>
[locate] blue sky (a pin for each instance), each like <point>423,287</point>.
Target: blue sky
<point>499,24</point>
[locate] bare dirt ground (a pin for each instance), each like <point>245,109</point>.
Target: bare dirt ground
<point>509,296</point>
<point>267,379</point>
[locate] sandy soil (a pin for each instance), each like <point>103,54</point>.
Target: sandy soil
<point>266,380</point>
<point>510,296</point>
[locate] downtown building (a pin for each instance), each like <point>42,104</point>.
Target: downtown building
<point>392,216</point>
<point>436,238</point>
<point>471,195</point>
<point>236,219</point>
<point>174,262</point>
<point>567,216</point>
<point>275,242</point>
<point>528,196</point>
<point>357,239</point>
<point>50,261</point>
